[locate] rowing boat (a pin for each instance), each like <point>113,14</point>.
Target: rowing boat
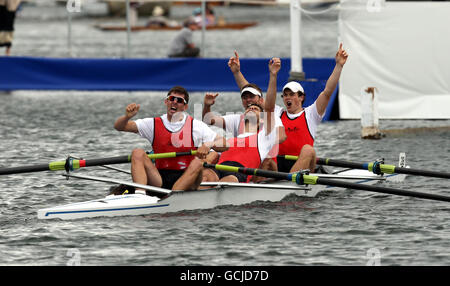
<point>218,194</point>
<point>357,176</point>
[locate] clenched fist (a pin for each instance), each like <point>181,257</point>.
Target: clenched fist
<point>131,110</point>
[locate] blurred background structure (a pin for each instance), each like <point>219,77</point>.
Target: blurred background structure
<point>54,38</point>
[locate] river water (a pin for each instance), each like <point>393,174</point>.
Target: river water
<point>339,228</point>
<point>346,227</point>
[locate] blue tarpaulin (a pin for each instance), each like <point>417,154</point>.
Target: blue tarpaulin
<point>28,73</point>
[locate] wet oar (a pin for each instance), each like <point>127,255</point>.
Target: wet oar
<point>302,179</point>
<point>375,167</point>
<point>71,164</point>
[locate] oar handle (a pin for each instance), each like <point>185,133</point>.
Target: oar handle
<point>171,154</point>
<point>250,171</point>
<point>125,159</point>
<point>339,163</point>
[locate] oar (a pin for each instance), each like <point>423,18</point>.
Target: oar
<point>160,191</point>
<point>302,179</point>
<point>375,167</point>
<point>71,164</point>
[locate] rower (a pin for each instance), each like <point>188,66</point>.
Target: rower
<point>174,131</point>
<point>234,123</point>
<point>258,136</point>
<point>300,123</point>
<point>250,94</point>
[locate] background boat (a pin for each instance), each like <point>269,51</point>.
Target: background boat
<point>220,26</point>
<point>144,9</point>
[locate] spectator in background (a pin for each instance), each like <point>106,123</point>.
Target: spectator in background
<point>182,45</point>
<point>8,10</point>
<point>209,16</point>
<point>159,20</point>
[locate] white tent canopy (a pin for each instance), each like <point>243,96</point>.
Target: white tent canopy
<point>401,48</point>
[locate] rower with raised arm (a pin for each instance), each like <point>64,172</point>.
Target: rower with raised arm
<point>234,123</point>
<point>174,131</point>
<point>258,137</point>
<point>300,123</point>
<point>250,94</point>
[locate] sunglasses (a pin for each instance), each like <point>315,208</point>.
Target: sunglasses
<point>176,99</point>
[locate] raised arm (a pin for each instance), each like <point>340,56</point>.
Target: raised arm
<point>235,67</point>
<point>269,105</point>
<point>123,123</point>
<point>209,117</point>
<point>325,95</point>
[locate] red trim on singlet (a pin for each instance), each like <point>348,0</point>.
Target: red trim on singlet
<point>298,134</point>
<point>166,141</point>
<point>244,151</point>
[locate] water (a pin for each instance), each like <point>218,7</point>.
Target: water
<point>347,227</point>
<point>42,30</point>
<point>340,228</point>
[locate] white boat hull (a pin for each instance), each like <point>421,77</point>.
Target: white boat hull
<point>227,194</point>
<point>138,204</point>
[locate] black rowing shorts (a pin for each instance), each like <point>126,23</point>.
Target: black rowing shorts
<point>169,177</point>
<point>284,165</point>
<point>242,178</point>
